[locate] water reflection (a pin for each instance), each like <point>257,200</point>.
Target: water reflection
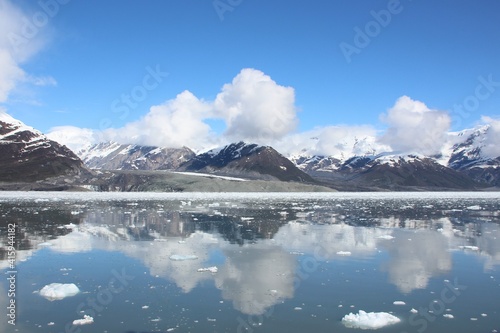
<point>255,246</point>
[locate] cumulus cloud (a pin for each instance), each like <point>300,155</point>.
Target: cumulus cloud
<point>338,141</point>
<point>253,106</point>
<point>16,48</point>
<point>256,108</point>
<point>75,138</point>
<point>413,127</point>
<point>175,123</point>
<point>491,143</point>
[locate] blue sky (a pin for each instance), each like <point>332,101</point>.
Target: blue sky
<point>91,52</point>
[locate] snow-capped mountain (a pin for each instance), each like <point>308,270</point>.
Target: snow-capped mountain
<point>248,160</point>
<point>28,155</point>
<point>468,156</point>
<point>115,156</point>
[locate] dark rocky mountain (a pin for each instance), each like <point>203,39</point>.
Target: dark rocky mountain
<point>386,171</point>
<point>27,155</point>
<point>115,156</point>
<point>247,160</point>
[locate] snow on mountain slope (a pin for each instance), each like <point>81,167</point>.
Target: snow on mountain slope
<point>28,155</point>
<point>115,156</point>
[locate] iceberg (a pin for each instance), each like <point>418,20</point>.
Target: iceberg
<point>85,321</point>
<point>212,269</point>
<point>179,257</point>
<point>369,320</point>
<point>58,291</point>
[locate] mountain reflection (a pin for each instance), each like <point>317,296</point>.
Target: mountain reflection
<point>256,243</point>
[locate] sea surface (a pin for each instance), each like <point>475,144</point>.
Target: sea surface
<point>261,262</point>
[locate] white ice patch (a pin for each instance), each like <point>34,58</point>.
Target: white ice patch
<point>449,316</point>
<point>470,247</point>
<point>388,237</point>
<point>58,291</point>
<point>369,320</point>
<point>474,207</point>
<point>85,321</point>
<point>399,303</point>
<point>343,253</point>
<point>179,257</point>
<point>212,269</point>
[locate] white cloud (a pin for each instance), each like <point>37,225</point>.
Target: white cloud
<point>75,138</point>
<point>256,108</point>
<point>338,141</point>
<point>41,81</point>
<point>16,48</point>
<point>491,143</point>
<point>176,123</point>
<point>413,127</point>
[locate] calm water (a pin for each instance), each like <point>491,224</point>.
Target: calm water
<point>285,263</point>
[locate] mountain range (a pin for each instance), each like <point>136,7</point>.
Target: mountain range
<point>28,156</point>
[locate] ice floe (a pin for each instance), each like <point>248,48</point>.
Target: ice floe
<point>212,269</point>
<point>399,303</point>
<point>58,291</point>
<point>344,253</point>
<point>179,257</point>
<point>85,321</point>
<point>449,316</point>
<point>369,320</point>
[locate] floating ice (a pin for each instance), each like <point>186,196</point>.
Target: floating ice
<point>476,207</point>
<point>369,320</point>
<point>413,310</point>
<point>344,253</point>
<point>58,291</point>
<point>85,321</point>
<point>386,237</point>
<point>449,316</point>
<point>179,257</point>
<point>212,269</point>
<point>399,303</point>
<point>469,247</point>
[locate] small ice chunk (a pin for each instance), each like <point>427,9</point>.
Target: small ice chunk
<point>145,307</point>
<point>45,244</point>
<point>180,257</point>
<point>399,303</point>
<point>343,253</point>
<point>297,308</point>
<point>448,315</point>
<point>413,310</point>
<point>51,323</point>
<point>212,269</point>
<point>484,315</point>
<point>476,207</point>
<point>386,237</point>
<point>473,319</point>
<point>369,320</point>
<point>469,247</point>
<point>58,291</point>
<point>85,321</point>
<point>171,329</point>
